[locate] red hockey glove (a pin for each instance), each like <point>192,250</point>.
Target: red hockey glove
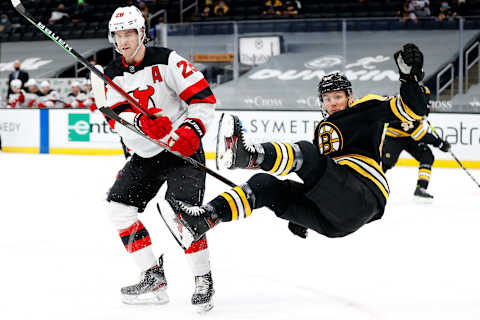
<point>157,128</point>
<point>189,135</point>
<point>93,107</point>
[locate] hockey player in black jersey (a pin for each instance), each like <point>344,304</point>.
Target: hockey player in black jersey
<point>343,183</point>
<point>413,137</point>
<point>179,97</point>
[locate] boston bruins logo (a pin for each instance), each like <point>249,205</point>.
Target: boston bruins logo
<point>329,138</point>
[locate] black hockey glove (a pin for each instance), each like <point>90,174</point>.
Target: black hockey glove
<point>444,146</point>
<point>409,61</point>
<point>298,230</point>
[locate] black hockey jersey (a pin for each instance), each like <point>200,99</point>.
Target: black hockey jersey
<point>353,137</point>
<point>417,130</point>
<point>165,80</point>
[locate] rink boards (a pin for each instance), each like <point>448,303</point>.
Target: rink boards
<point>84,132</point>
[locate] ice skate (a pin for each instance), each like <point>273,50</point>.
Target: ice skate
<point>232,150</point>
<point>422,195</point>
<point>187,223</point>
<point>150,290</point>
<point>202,297</point>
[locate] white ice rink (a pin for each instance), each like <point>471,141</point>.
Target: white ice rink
<point>61,258</point>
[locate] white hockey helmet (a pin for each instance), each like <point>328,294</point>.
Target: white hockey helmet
<point>126,18</point>
<point>45,84</point>
<point>31,83</point>
<point>17,83</point>
<point>75,83</point>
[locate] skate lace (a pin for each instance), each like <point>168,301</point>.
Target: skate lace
<point>192,210</point>
<point>202,284</point>
<point>247,147</point>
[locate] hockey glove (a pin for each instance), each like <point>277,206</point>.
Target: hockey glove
<point>188,137</point>
<point>157,128</point>
<point>409,61</point>
<point>298,230</point>
<point>444,146</point>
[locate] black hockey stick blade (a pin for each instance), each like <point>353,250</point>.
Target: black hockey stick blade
<point>17,4</point>
<point>112,115</point>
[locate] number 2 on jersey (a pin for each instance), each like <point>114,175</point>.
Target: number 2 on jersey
<point>186,65</point>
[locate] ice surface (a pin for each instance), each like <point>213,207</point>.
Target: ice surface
<point>61,258</point>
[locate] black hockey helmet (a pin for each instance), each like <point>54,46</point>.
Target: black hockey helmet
<point>333,82</point>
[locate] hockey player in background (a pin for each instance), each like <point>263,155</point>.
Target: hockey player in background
<point>16,99</point>
<point>32,93</point>
<point>75,99</point>
<point>413,137</point>
<point>89,101</point>
<point>183,105</point>
<point>343,183</point>
<point>50,98</point>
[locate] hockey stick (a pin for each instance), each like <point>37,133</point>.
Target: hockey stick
<point>17,4</point>
<point>112,115</point>
<point>454,156</point>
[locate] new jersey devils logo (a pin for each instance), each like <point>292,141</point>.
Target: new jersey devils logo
<point>143,96</point>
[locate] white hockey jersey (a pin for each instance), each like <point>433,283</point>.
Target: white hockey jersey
<point>17,100</point>
<point>76,101</point>
<point>31,99</point>
<point>50,100</point>
<point>163,79</point>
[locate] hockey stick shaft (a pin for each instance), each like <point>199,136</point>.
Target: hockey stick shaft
<point>17,4</point>
<point>455,157</point>
<point>112,115</point>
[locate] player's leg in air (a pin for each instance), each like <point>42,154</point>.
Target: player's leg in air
<point>324,182</point>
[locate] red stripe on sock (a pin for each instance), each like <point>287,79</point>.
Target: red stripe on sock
<point>139,244</point>
<point>197,246</point>
<point>137,225</point>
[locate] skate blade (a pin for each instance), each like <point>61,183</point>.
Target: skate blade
<point>204,307</point>
<point>158,297</point>
<point>422,200</point>
<point>224,153</point>
<point>181,233</point>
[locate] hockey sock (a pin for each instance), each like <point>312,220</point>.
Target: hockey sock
<point>424,172</point>
<point>137,242</point>
<point>198,257</point>
<point>281,158</point>
<point>234,204</point>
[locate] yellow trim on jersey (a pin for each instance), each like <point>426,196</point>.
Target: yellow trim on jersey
<point>364,173</point>
<point>393,106</point>
<point>417,130</point>
<point>243,197</point>
<point>288,167</point>
<point>368,160</point>
<point>396,133</point>
<point>424,177</point>
<point>409,111</point>
<point>279,157</point>
<point>368,97</point>
<point>231,203</point>
<point>364,165</point>
<point>427,90</point>
<point>424,170</point>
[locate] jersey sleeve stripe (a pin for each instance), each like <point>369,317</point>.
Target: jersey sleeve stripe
<point>193,89</point>
<point>204,96</point>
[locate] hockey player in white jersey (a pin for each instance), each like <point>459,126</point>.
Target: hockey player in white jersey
<point>179,97</point>
<point>89,101</point>
<point>32,93</point>
<point>17,98</point>
<point>50,98</point>
<point>75,99</point>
